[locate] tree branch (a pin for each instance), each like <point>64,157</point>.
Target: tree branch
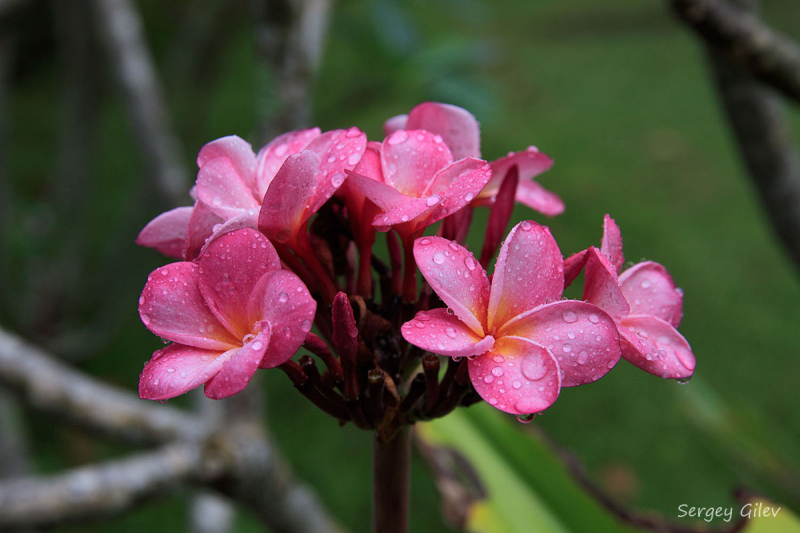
<point>55,388</point>
<point>756,116</point>
<point>100,490</point>
<point>289,35</point>
<point>245,465</point>
<point>746,41</point>
<point>120,29</point>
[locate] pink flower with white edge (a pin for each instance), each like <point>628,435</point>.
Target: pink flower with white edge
<point>643,301</point>
<point>460,131</point>
<point>232,182</point>
<point>523,341</point>
<point>530,163</point>
<point>307,180</point>
<point>228,313</point>
<point>418,183</point>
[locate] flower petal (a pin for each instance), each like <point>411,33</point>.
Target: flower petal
<point>457,126</point>
<point>611,244</point>
<point>288,196</point>
<point>382,195</point>
<point>397,122</point>
<point>237,151</point>
<point>528,273</point>
<point>531,163</point>
<point>518,376</point>
<point>601,286</point>
<point>656,347</point>
<point>272,156</point>
<point>231,266</point>
<point>236,372</point>
<point>457,277</point>
<point>456,185</point>
<point>440,332</point>
<point>582,337</point>
<point>281,299</point>
<point>573,266</point>
<point>171,306</point>
<point>201,226</point>
<point>410,159</point>
<point>167,232</point>
<point>533,195</point>
<point>338,151</point>
<point>412,211</point>
<point>223,190</point>
<point>245,219</point>
<point>177,369</point>
<point>650,290</point>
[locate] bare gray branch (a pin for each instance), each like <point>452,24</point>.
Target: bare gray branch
<point>246,466</point>
<point>120,30</point>
<point>55,388</point>
<point>99,490</point>
<point>290,35</point>
<point>754,111</point>
<point>746,41</point>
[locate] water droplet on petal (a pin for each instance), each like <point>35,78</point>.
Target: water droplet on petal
<point>570,317</point>
<point>438,258</point>
<point>400,136</point>
<point>533,368</point>
<point>283,297</point>
<point>526,419</point>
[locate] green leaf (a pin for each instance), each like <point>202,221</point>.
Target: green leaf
<point>527,486</point>
<point>784,521</point>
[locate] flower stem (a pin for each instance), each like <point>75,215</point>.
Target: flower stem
<point>391,463</point>
<point>409,268</point>
<point>303,249</point>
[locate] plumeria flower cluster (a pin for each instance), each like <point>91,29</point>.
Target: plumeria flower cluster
<point>277,255</point>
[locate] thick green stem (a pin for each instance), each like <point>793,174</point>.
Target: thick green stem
<point>391,462</point>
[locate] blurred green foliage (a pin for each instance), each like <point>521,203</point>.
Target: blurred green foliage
<point>616,92</point>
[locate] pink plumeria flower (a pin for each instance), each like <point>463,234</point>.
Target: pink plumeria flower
<point>418,183</point>
<point>530,162</point>
<point>229,313</point>
<point>457,127</point>
<point>643,301</point>
<point>523,341</point>
<point>232,182</point>
<point>461,132</point>
<point>307,180</point>
<point>230,187</point>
